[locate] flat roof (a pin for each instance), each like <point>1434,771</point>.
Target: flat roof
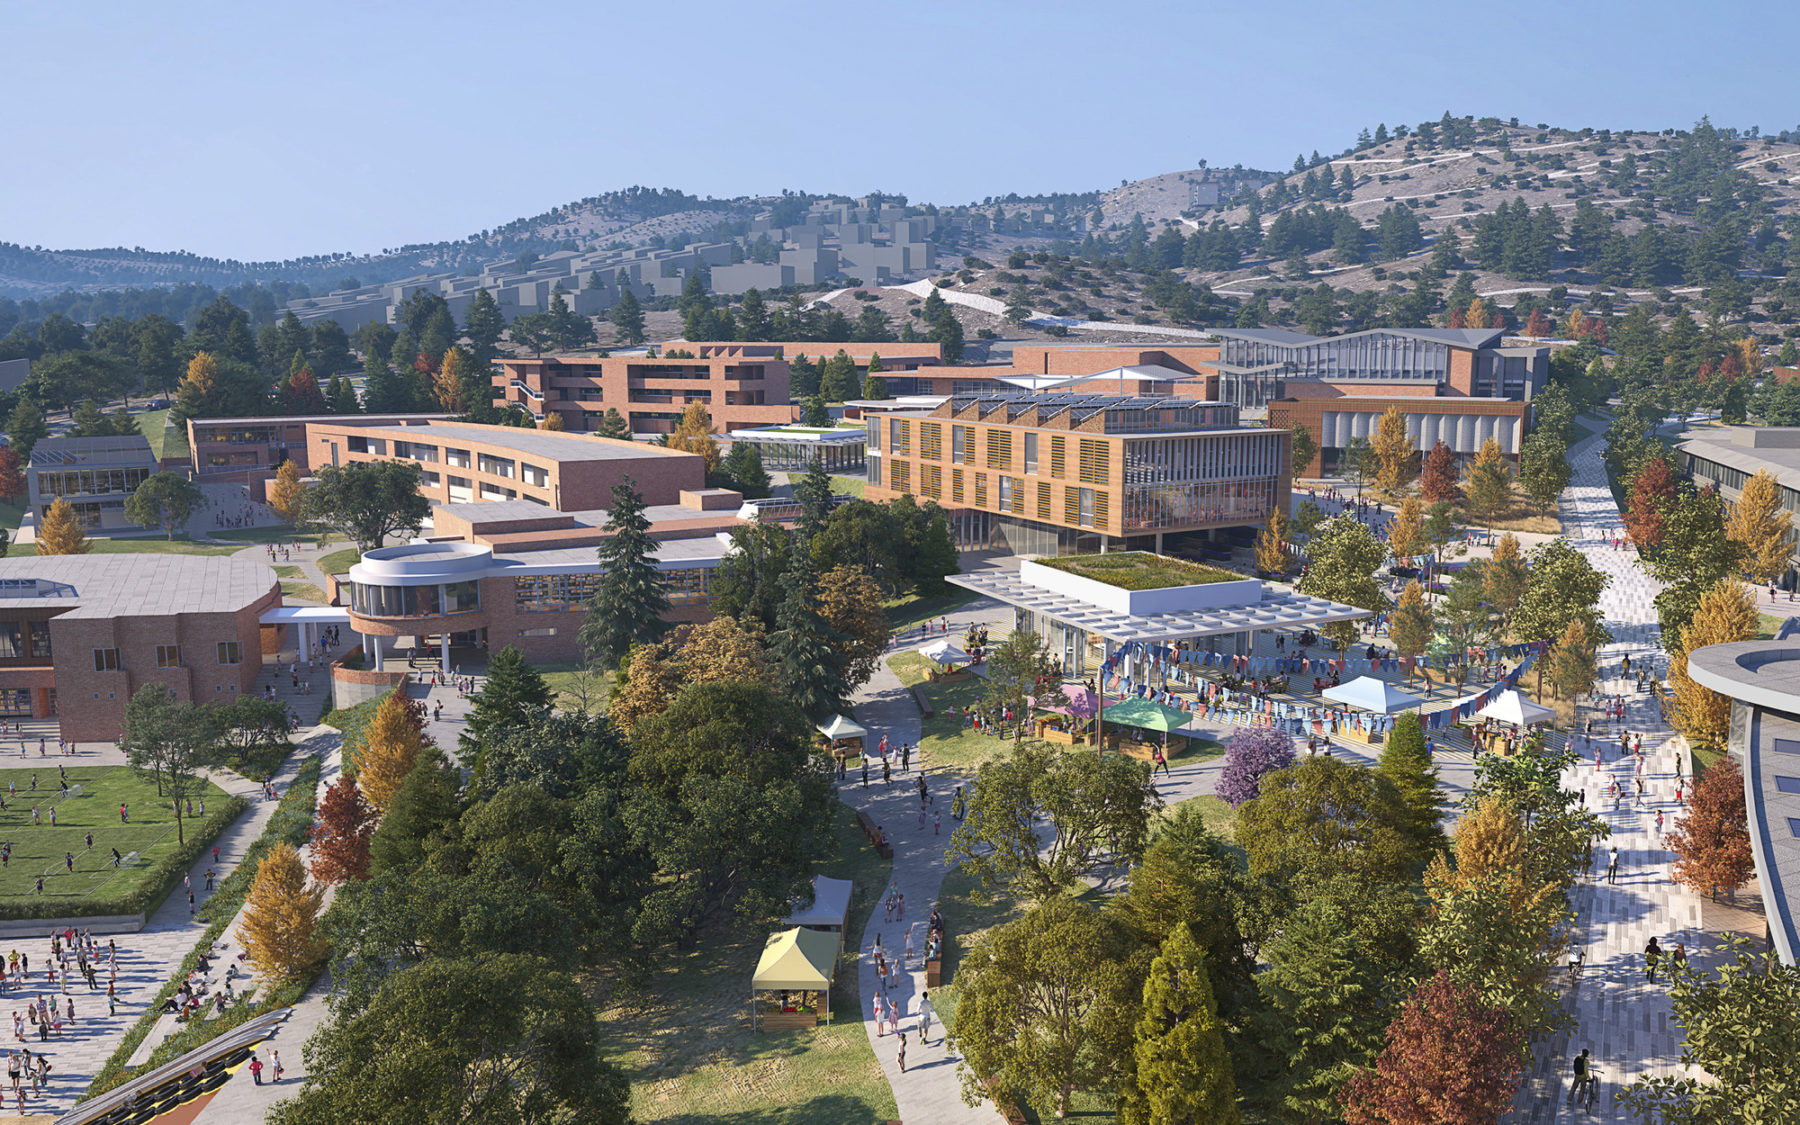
<point>670,554</point>
<point>478,512</point>
<point>117,449</point>
<point>147,585</point>
<point>550,444</point>
<point>1456,337</point>
<point>342,419</point>
<point>1278,609</point>
<point>1745,458</point>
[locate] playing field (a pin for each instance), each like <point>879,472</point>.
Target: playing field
<point>92,805</point>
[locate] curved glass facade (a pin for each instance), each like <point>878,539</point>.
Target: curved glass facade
<point>367,600</point>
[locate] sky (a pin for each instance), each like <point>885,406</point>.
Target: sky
<point>269,130</point>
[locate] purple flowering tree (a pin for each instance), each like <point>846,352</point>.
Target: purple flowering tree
<point>1249,755</point>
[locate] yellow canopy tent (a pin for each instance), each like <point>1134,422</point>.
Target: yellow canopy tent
<point>796,960</point>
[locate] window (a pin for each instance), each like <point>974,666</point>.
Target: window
<point>875,472</point>
<point>456,458</point>
<point>900,436</point>
<point>1057,444</point>
<point>931,441</point>
<point>959,444</point>
<point>687,587</point>
<point>12,640</point>
<point>1006,494</point>
<point>496,466</point>
<point>999,449</point>
<point>956,486</point>
<point>553,593</point>
<point>1015,499</point>
<point>1094,462</point>
<point>1043,502</point>
<point>168,656</point>
<point>40,639</point>
<point>543,631</point>
<point>1031,450</point>
<point>231,652</point>
<point>534,474</point>
<point>1102,508</point>
<point>461,597</point>
<point>15,702</point>
<point>900,473</point>
<point>1071,505</point>
<point>106,660</point>
<point>874,431</point>
<point>931,481</point>
<point>428,480</point>
<point>1087,507</point>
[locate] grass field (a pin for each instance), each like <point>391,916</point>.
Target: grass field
<point>281,534</point>
<point>11,514</point>
<point>684,1038</point>
<point>154,546</point>
<point>295,585</point>
<point>848,486</point>
<point>907,612</point>
<point>94,808</point>
<point>155,425</point>
<point>571,680</point>
<point>337,562</point>
<point>945,738</point>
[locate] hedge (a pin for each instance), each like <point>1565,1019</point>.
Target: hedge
<point>287,824</point>
<point>161,879</point>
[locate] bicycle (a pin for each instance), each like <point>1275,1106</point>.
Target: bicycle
<point>1593,1090</point>
<point>1575,964</point>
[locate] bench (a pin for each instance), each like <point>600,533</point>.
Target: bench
<point>924,703</point>
<point>934,968</point>
<point>1009,1109</point>
<point>787,1021</point>
<point>885,851</point>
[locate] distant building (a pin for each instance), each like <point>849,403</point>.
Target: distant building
<point>1052,474</point>
<point>1727,458</point>
<point>13,373</point>
<point>741,386</point>
<point>249,450</point>
<point>94,474</point>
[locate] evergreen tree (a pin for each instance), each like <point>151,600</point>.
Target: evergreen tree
<point>753,316</point>
<point>629,601</point>
<point>628,319</point>
<point>808,652</point>
<point>486,324</point>
<point>384,391</point>
<point>1183,1075</point>
<point>1405,763</point>
<point>874,386</point>
<point>743,469</point>
<point>25,427</point>
<point>837,380</point>
<point>803,378</point>
<point>418,816</point>
<point>340,397</point>
<point>514,694</point>
<point>814,412</point>
<point>613,425</point>
<point>813,491</point>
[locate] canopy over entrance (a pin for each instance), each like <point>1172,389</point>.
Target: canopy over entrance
<point>1370,693</point>
<point>1512,707</point>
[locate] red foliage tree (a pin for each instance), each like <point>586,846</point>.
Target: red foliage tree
<point>426,364</point>
<point>1712,838</point>
<point>1437,477</point>
<point>1457,320</point>
<point>1449,1060</point>
<point>1732,366</point>
<point>340,837</point>
<point>1537,324</point>
<point>301,395</point>
<point>1652,491</point>
<point>1593,329</point>
<point>12,475</point>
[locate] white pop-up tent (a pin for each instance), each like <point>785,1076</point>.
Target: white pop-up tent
<point>830,909</point>
<point>838,728</point>
<point>944,652</point>
<point>1512,707</point>
<point>796,960</point>
<point>1371,693</point>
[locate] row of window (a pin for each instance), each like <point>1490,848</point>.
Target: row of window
<point>90,482</point>
<point>167,656</point>
<point>368,600</point>
<point>1094,457</point>
<point>568,593</point>
<point>24,640</point>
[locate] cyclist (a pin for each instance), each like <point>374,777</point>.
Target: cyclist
<point>1583,1075</point>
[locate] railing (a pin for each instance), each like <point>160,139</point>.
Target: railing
<point>527,389</point>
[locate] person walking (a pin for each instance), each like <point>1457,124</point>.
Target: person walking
<point>925,1014</point>
<point>905,756</point>
<point>865,771</point>
<point>887,772</point>
<point>1612,867</point>
<point>900,1049</point>
<point>1652,954</point>
<point>275,1066</point>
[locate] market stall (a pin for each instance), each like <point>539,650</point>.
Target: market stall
<point>1374,695</point>
<point>792,984</point>
<point>843,736</point>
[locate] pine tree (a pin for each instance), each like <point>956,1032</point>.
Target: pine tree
<point>1711,839</point>
<point>340,837</point>
<point>874,386</point>
<point>514,693</point>
<point>629,602</point>
<point>485,326</point>
<point>280,916</point>
<point>1764,527</point>
<point>743,468</point>
<point>613,425</point>
<point>1726,613</point>
<point>628,319</point>
<point>423,809</point>
<point>341,397</point>
<point>814,412</point>
<point>1396,457</point>
<point>62,531</point>
<point>1438,481</point>
<point>391,747</point>
<point>1405,763</point>
<point>1183,1075</point>
<point>287,492</point>
<point>813,491</point>
<point>808,652</point>
<point>384,391</point>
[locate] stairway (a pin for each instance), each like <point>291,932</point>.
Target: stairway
<point>308,707</point>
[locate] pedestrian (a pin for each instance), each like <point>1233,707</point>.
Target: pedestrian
<point>924,1017</point>
<point>1659,821</point>
<point>1678,959</point>
<point>865,771</point>
<point>905,756</point>
<point>256,1069</point>
<point>887,772</point>
<point>900,1049</point>
<point>1652,953</point>
<point>937,823</point>
<point>909,943</point>
<point>275,1065</point>
<point>1612,867</point>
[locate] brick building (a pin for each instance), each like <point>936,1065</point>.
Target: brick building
<point>463,462</point>
<point>248,450</point>
<point>1067,473</point>
<point>80,633</point>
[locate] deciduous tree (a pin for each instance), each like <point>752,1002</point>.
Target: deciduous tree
<point>1250,755</point>
<point>287,495</point>
<point>1406,535</point>
<point>1344,558</point>
<point>1653,492</point>
<point>1097,810</point>
<point>1271,544</point>
<point>280,916</point>
<point>165,500</point>
<point>1324,815</point>
<point>392,746</point>
<point>1412,627</point>
<point>1763,527</point>
<point>340,837</point>
<point>1448,1059</point>
<point>1573,669</point>
<point>694,434</point>
<point>368,502</point>
<point>1488,484</point>
<point>1562,586</point>
<point>1396,455</point>
<point>1045,1007</point>
<point>1711,838</point>
<point>62,532</point>
<point>1726,613</point>
<point>852,604</point>
<point>1438,480</point>
<point>1305,448</point>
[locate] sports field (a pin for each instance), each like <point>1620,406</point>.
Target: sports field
<point>90,805</point>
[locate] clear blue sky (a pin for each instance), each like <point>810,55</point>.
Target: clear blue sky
<point>264,130</point>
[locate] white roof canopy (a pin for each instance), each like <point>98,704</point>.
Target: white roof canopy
<point>839,727</point>
<point>1512,707</point>
<point>830,905</point>
<point>944,652</point>
<point>1371,693</point>
<point>1277,609</point>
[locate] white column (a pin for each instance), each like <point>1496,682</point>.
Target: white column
<point>444,651</point>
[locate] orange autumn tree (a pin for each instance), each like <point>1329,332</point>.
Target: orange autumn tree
<point>340,837</point>
<point>1712,838</point>
<point>62,531</point>
<point>394,740</point>
<point>1653,489</point>
<point>12,473</point>
<point>280,917</point>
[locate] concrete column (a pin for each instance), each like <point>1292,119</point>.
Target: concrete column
<point>1159,542</point>
<point>444,651</point>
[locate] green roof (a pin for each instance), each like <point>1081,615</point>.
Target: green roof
<point>1140,570</point>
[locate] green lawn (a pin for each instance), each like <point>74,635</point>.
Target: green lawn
<point>280,534</point>
<point>945,738</point>
<point>337,562</point>
<point>907,612</point>
<point>1767,625</point>
<point>11,514</point>
<point>572,681</point>
<point>303,591</point>
<point>685,1042</point>
<point>94,808</point>
<point>155,425</point>
<point>848,486</point>
<point>154,546</point>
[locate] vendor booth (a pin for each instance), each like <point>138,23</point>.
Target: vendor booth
<point>1372,694</point>
<point>1501,724</point>
<point>792,985</point>
<point>830,909</point>
<point>1065,719</point>
<point>945,654</point>
<point>843,736</point>
<point>1138,715</point>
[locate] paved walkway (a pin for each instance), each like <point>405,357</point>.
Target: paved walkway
<point>1622,1018</point>
<point>147,957</point>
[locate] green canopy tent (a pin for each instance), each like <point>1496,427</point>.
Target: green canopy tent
<point>1147,714</point>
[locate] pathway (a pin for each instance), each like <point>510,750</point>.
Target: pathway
<point>147,957</point>
<point>1622,1018</point>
